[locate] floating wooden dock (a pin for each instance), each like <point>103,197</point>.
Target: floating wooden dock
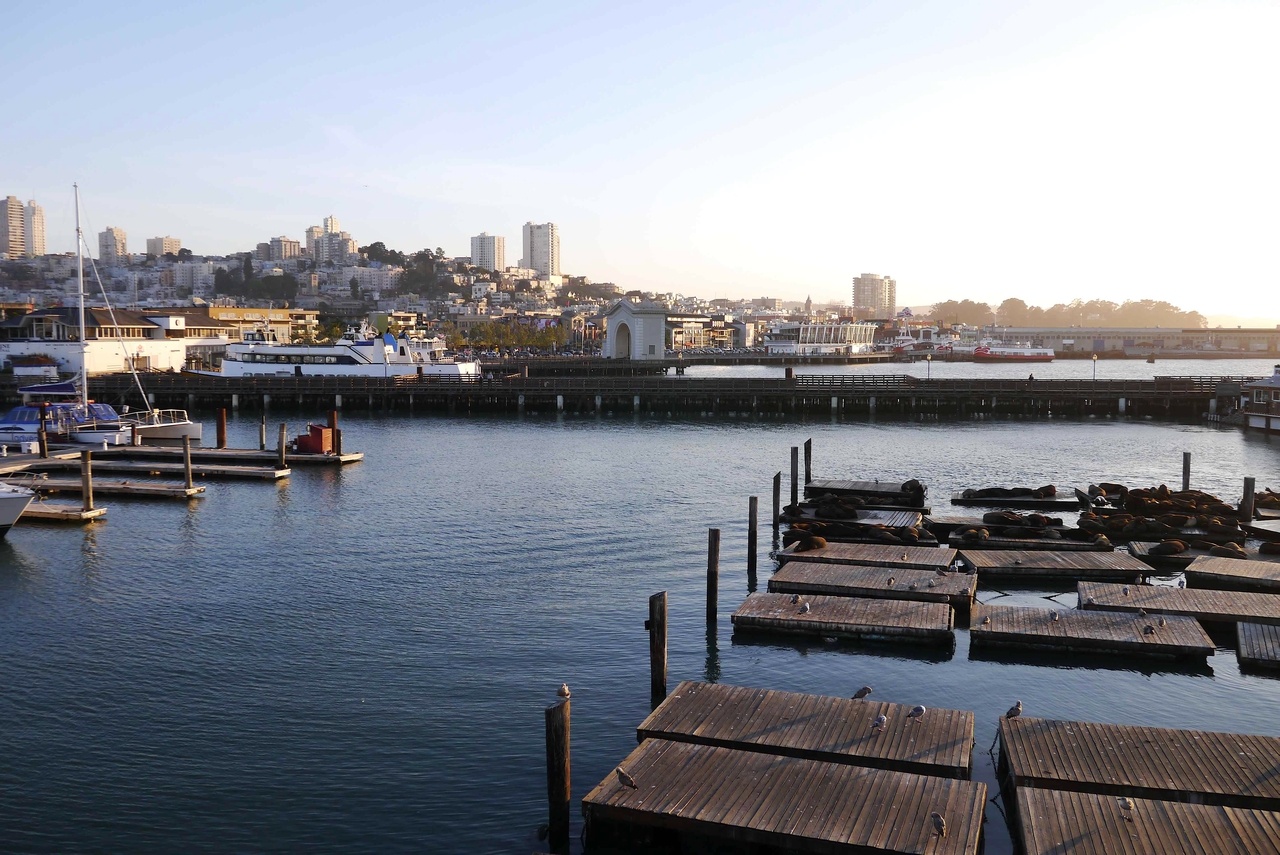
<point>1141,549</point>
<point>1043,564</point>
<point>1054,822</point>
<point>1219,606</point>
<point>790,803</point>
<point>943,524</point>
<point>892,517</point>
<point>873,555</point>
<point>1198,766</point>
<point>231,456</point>
<point>1031,544</point>
<point>815,727</point>
<point>1087,631</point>
<point>847,617</point>
<point>60,512</point>
<point>894,583</point>
<point>1062,501</point>
<point>1263,529</point>
<point>144,468</point>
<point>1258,645</point>
<point>1234,574</point>
<point>134,489</point>
<point>883,494</point>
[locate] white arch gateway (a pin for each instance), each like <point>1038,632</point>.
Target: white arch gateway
<point>635,330</point>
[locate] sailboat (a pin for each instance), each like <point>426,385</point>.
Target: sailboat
<point>14,499</point>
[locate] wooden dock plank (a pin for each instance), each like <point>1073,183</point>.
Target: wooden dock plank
<point>873,555</point>
<point>1039,564</point>
<point>60,512</point>
<point>1000,542</point>
<point>203,470</point>
<point>847,617</point>
<point>883,493</point>
<point>1057,822</point>
<point>896,583</point>
<point>235,456</point>
<point>1220,606</point>
<point>134,489</point>
<point>1141,549</point>
<point>817,727</point>
<point>1234,574</point>
<point>1087,631</point>
<point>1062,500</point>
<point>892,517</point>
<point>777,801</point>
<point>1258,645</point>
<point>1264,529</point>
<point>1237,770</point>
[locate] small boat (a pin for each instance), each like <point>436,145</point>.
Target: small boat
<point>74,418</point>
<point>14,499</point>
<point>1012,353</point>
<point>164,425</point>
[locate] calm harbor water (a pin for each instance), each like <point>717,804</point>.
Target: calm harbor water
<point>359,660</point>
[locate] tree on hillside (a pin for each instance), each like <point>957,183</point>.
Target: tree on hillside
<point>962,312</point>
<point>248,267</point>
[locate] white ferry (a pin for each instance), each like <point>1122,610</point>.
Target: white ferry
<point>995,352</point>
<point>359,353</point>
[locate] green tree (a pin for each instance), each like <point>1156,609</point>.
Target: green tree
<point>248,267</point>
<point>355,288</point>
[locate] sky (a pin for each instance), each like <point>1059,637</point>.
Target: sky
<point>1049,151</point>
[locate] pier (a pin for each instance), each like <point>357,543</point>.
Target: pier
<point>1234,574</point>
<point>846,617</point>
<point>873,555</point>
<point>1258,645</point>
<point>1038,564</point>
<point>1215,606</point>
<point>1086,632</point>
<point>901,583</point>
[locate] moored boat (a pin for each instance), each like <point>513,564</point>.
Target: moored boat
<point>14,499</point>
<point>1012,353</point>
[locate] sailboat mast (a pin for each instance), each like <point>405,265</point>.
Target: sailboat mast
<point>84,354</point>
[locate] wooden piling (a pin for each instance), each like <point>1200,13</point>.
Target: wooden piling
<point>337,432</point>
<point>657,626</point>
<point>280,445</point>
<point>795,475</point>
<point>186,462</point>
<point>777,501</point>
<point>808,460</point>
<point>1246,501</point>
<point>43,436</point>
<point>753,512</point>
<point>86,478</point>
<point>262,433</point>
<point>713,573</point>
<point>1186,471</point>
<point>559,793</point>
<point>222,427</point>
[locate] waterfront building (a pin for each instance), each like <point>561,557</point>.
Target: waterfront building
<point>160,246</point>
<point>875,294</point>
<point>1261,401</point>
<point>113,246</point>
<point>150,339</point>
<point>489,251</point>
<point>542,248</point>
<point>635,330</point>
<point>794,338</point>
<point>1141,341</point>
<point>13,228</point>
<point>34,227</point>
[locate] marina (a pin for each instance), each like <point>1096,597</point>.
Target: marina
<point>1086,631</point>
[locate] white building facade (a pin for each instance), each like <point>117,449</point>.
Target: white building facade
<point>635,331</point>
<point>113,246</point>
<point>34,222</point>
<point>875,294</point>
<point>489,251</point>
<point>542,248</point>
<point>13,228</point>
<point>159,246</point>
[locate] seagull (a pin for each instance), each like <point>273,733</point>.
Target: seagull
<point>1054,616</point>
<point>904,555</point>
<point>1091,601</point>
<point>1017,561</point>
<point>1126,807</point>
<point>986,619</point>
<point>917,713</point>
<point>861,693</point>
<point>933,583</point>
<point>1125,590</point>
<point>1014,711</point>
<point>627,780</point>
<point>1142,612</point>
<point>563,691</point>
<point>890,582</point>
<point>1182,583</point>
<point>804,607</point>
<point>879,724</point>
<point>1162,621</point>
<point>912,587</point>
<point>939,824</point>
<point>795,598</point>
<point>1148,630</point>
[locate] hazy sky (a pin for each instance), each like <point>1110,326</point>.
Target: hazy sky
<point>1116,150</point>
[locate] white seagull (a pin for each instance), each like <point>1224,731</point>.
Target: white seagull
<point>626,780</point>
<point>563,691</point>
<point>939,824</point>
<point>917,713</point>
<point>1014,711</point>
<point>879,724</point>
<point>861,693</point>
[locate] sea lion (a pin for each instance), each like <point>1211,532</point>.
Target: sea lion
<point>1168,547</point>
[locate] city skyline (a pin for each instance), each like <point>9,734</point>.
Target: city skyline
<point>1106,151</point>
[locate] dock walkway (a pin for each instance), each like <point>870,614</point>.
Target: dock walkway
<point>1219,606</point>
<point>156,467</point>
<point>791,803</point>
<point>847,617</point>
<point>1087,631</point>
<point>893,583</point>
<point>133,489</point>
<point>1258,645</point>
<point>1038,564</point>
<point>815,727</point>
<point>882,493</point>
<point>873,555</point>
<point>1197,766</point>
<point>1234,574</point>
<point>1061,501</point>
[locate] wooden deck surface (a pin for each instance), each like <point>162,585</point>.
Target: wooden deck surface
<point>1087,631</point>
<point>1234,574</point>
<point>847,617</point>
<point>1141,549</point>
<point>134,489</point>
<point>157,467</point>
<point>816,727</point>
<point>1221,606</point>
<point>1005,544</point>
<point>1258,645</point>
<point>794,804</point>
<point>881,492</point>
<point>1040,564</point>
<point>60,512</point>
<point>1063,500</point>
<point>1237,770</point>
<point>237,456</point>
<point>896,518</point>
<point>1264,529</point>
<point>1055,822</point>
<point>873,555</point>
<point>894,583</point>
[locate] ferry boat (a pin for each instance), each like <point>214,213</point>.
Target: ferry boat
<point>358,353</point>
<point>1012,353</point>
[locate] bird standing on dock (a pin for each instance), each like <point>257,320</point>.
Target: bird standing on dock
<point>626,780</point>
<point>1162,621</point>
<point>1126,808</point>
<point>939,824</point>
<point>880,722</point>
<point>1142,612</point>
<point>1055,617</point>
<point>804,607</point>
<point>1182,583</point>
<point>890,582</point>
<point>904,555</point>
<point>861,693</point>
<point>986,619</point>
<point>1148,630</point>
<point>917,713</point>
<point>795,599</point>
<point>1125,591</point>
<point>1015,710</point>
<point>563,691</point>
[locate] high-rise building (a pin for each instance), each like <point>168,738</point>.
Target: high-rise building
<point>113,246</point>
<point>489,251</point>
<point>13,228</point>
<point>158,246</point>
<point>283,248</point>
<point>876,294</point>
<point>541,248</point>
<point>34,216</point>
<point>331,225</point>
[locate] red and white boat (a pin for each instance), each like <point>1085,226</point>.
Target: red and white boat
<point>1011,353</point>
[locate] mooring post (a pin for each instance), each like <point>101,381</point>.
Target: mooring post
<point>42,434</point>
<point>1246,502</point>
<point>186,461</point>
<point>713,573</point>
<point>222,427</point>
<point>753,512</point>
<point>795,475</point>
<point>337,432</point>
<point>1186,471</point>
<point>558,789</point>
<point>808,460</point>
<point>86,478</point>
<point>777,500</point>
<point>657,626</point>
<point>280,444</point>
<point>262,433</point>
